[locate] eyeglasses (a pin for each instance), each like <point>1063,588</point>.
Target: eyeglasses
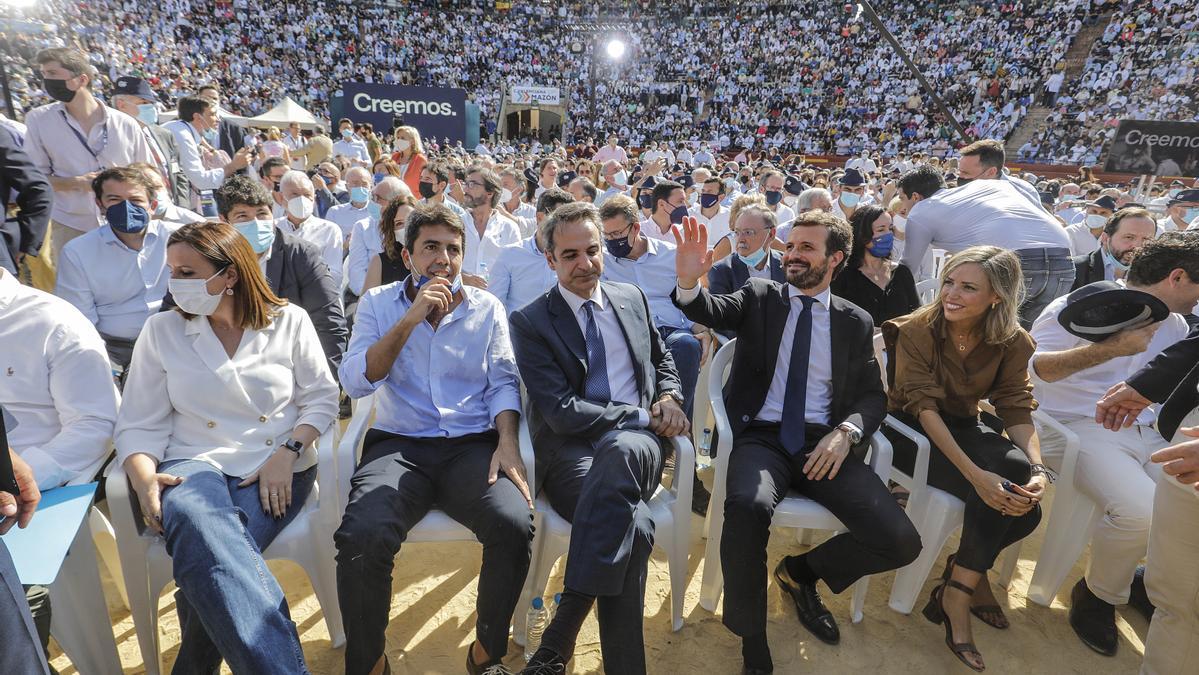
<point>475,184</point>
<point>619,233</point>
<point>749,232</point>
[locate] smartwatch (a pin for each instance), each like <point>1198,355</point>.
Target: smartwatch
<point>295,446</point>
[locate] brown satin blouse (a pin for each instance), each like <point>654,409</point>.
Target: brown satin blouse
<point>927,372</point>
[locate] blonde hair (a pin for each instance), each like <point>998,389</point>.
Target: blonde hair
<point>273,134</point>
<point>417,148</point>
<point>1002,269</point>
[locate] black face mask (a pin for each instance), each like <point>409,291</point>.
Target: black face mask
<point>619,248</point>
<point>426,189</point>
<point>58,90</point>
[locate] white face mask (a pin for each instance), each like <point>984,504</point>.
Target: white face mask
<point>505,196</point>
<point>191,295</point>
<point>899,223</point>
<point>403,144</point>
<point>621,178</point>
<point>164,200</point>
<point>1095,221</point>
<point>300,207</point>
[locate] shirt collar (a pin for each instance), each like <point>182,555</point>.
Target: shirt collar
<point>823,297</point>
<point>9,287</point>
<point>153,232</point>
<point>576,302</point>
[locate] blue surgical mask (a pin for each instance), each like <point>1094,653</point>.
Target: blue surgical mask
<point>708,201</point>
<point>358,195</point>
<point>850,200</point>
<point>1109,259</point>
<point>379,178</point>
<point>127,217</point>
<point>773,197</point>
<point>678,214</point>
<point>619,248</point>
<point>347,133</point>
<point>211,136</point>
<point>880,246</point>
<point>1190,214</point>
<point>753,259</point>
<point>147,113</point>
<point>375,212</point>
<point>260,233</point>
<point>455,285</point>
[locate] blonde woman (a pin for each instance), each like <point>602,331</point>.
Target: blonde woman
<point>966,346</point>
<point>274,146</point>
<point>409,155</point>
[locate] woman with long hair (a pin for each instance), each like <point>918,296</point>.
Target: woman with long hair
<point>409,156</point>
<point>388,266</point>
<point>871,279</point>
<point>943,359</point>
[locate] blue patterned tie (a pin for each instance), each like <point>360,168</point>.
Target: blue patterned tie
<point>596,387</point>
<point>796,397</point>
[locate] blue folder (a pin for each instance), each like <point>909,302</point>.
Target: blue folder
<point>40,549</point>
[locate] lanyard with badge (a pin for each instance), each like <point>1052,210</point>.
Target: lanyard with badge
<point>83,140</point>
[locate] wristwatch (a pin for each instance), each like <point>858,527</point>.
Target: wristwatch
<point>295,446</point>
<point>674,394</point>
<point>855,434</point>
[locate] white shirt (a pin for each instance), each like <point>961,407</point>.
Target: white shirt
<point>820,359</point>
<point>182,216</point>
<point>327,237</point>
<point>1074,396</point>
<point>346,216</point>
<point>650,229</point>
<point>783,213</point>
<point>991,212</point>
<point>622,380</point>
<point>718,225</point>
<point>187,399</point>
<point>55,379</point>
<point>188,140</point>
<point>365,243</point>
<point>499,232</point>
<point>116,287</point>
<point>526,218</point>
<point>1082,242</point>
<point>1168,224</point>
<point>353,150</point>
<point>54,145</point>
<point>520,275</point>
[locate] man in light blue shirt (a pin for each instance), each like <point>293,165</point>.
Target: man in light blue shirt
<point>521,273</point>
<point>116,275</point>
<point>438,357</point>
<point>647,263</point>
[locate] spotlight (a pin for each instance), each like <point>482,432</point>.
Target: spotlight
<point>616,49</point>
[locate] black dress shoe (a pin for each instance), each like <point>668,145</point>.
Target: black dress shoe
<point>492,667</point>
<point>545,662</point>
<point>1093,620</point>
<point>699,497</point>
<point>1138,599</point>
<point>747,670</point>
<point>812,612</point>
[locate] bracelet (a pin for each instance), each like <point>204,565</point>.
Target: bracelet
<point>1042,470</point>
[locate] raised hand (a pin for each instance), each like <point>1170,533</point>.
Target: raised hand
<point>693,258</point>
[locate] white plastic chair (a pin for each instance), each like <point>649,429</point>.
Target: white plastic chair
<point>794,511</point>
<point>307,541</point>
<point>1071,521</point>
<point>927,290</point>
<point>671,511</point>
<point>436,526</point>
<point>935,513</point>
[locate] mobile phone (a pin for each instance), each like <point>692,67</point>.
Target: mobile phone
<point>8,479</point>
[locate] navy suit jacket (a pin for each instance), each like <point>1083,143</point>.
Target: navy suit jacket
<point>33,196</point>
<point>552,356</point>
<point>730,274</point>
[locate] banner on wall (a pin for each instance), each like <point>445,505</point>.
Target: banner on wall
<point>436,112</point>
<point>1155,148</point>
<point>524,95</point>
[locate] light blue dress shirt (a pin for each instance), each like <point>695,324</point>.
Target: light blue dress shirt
<point>116,287</point>
<point>445,383</point>
<point>520,275</point>
<point>654,274</point>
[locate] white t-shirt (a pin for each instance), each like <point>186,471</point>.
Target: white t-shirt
<point>718,225</point>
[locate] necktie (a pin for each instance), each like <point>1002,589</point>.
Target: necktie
<point>796,396</point>
<point>596,386</point>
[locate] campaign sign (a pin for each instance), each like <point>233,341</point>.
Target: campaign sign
<point>436,112</point>
<point>1155,148</point>
<point>525,95</point>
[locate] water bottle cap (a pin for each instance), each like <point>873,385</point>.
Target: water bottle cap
<point>538,603</point>
<point>558,598</point>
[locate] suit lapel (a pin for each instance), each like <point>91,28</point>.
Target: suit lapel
<point>777,312</point>
<point>567,327</point>
<point>840,327</point>
<point>212,353</point>
<point>776,267</point>
<point>274,266</point>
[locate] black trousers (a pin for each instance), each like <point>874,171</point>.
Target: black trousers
<point>602,489</point>
<point>985,531</point>
<point>761,472</point>
<point>397,482</point>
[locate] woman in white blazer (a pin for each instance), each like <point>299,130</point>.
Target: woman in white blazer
<point>225,397</point>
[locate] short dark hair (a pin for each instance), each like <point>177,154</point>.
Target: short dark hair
<point>1113,222</point>
<point>69,58</point>
<point>271,163</point>
<point>440,171</point>
<point>432,216</point>
<point>491,182</point>
<point>620,206</point>
<point>862,225</point>
<point>345,120</point>
<point>209,86</point>
<point>551,199</point>
<point>720,186</point>
<point>124,174</point>
<point>240,189</point>
<point>924,180</point>
<point>663,189</point>
<point>190,106</point>
<point>840,236</point>
<point>1157,257</point>
<point>988,151</point>
<point>569,213</point>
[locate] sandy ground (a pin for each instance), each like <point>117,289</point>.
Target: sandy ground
<point>433,623</point>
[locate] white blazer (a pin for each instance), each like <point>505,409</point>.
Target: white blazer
<point>186,399</point>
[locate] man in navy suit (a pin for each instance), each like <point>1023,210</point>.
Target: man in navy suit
<point>603,394</point>
<point>23,235</point>
<point>752,255</point>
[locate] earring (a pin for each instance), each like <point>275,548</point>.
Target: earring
<point>229,291</point>
<point>993,304</point>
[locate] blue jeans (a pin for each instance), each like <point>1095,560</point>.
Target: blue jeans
<point>684,348</point>
<point>1048,275</point>
<point>229,604</point>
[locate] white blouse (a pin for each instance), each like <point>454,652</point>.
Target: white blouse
<point>186,399</point>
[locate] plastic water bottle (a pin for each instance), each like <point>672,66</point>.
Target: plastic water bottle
<point>705,445</point>
<point>483,270</point>
<point>539,618</point>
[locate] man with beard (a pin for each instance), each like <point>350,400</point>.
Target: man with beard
<point>487,230</point>
<point>1123,233</point>
<point>806,396</point>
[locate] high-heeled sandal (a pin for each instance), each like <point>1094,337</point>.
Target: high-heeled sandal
<point>934,611</point>
<point>992,615</point>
